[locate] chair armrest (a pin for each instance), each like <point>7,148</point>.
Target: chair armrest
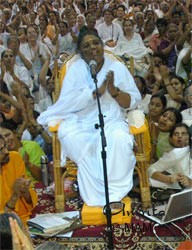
<point>136,121</point>
<point>134,131</point>
<point>54,125</point>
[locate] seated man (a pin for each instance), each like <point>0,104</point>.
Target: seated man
<point>16,193</point>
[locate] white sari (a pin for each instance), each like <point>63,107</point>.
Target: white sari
<point>81,142</point>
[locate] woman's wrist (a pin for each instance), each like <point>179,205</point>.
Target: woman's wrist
<point>116,93</point>
<point>12,202</point>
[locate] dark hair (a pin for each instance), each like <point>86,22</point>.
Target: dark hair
<point>22,28</point>
<point>143,82</point>
<point>161,56</point>
<point>12,38</point>
<point>65,23</point>
<point>128,19</point>
<point>8,124</point>
<point>121,6</point>
<point>179,125</point>
<point>5,229</point>
<point>3,87</point>
<point>172,76</point>
<point>108,10</point>
<point>3,53</point>
<point>176,12</point>
<point>161,97</point>
<point>176,112</point>
<point>84,33</point>
<point>161,21</point>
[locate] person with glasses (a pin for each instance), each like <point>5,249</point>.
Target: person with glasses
<point>16,194</point>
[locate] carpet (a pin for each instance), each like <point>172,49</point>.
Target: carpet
<point>137,235</point>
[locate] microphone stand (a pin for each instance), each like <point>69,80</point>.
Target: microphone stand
<point>104,157</point>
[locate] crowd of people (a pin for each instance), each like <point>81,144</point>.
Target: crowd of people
<point>37,35</point>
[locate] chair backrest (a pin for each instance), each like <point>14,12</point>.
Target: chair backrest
<point>60,74</point>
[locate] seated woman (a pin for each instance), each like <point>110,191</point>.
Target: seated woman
<point>175,165</point>
<point>174,86</point>
<point>169,118</point>
<point>77,111</point>
<point>131,45</point>
<point>156,107</point>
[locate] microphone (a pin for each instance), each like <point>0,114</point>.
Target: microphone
<point>93,68</point>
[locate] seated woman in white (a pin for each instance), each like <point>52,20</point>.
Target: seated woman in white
<point>168,170</point>
<point>130,44</point>
<point>77,110</point>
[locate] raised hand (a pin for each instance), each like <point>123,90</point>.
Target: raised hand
<point>19,240</point>
<point>108,80</point>
<point>164,71</point>
<point>20,186</point>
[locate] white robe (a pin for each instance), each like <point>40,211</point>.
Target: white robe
<point>134,47</point>
<point>81,142</point>
<point>174,162</point>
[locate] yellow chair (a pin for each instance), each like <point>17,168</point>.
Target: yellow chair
<point>70,169</point>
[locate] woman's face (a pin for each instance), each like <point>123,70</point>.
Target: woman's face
<point>128,26</point>
<point>91,48</point>
<point>180,137</point>
<point>31,34</point>
<point>177,85</point>
<point>150,26</point>
<point>80,20</point>
<point>157,61</point>
<point>166,121</point>
<point>155,107</point>
<point>9,137</point>
<point>8,58</point>
<point>63,29</point>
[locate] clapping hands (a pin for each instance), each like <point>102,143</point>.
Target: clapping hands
<point>21,186</point>
<point>19,240</point>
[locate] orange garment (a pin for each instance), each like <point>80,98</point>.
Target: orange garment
<point>11,171</point>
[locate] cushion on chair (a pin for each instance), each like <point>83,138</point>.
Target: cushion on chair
<point>54,125</point>
<point>95,216</point>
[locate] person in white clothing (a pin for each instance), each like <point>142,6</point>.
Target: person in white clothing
<point>109,31</point>
<point>10,72</point>
<point>77,111</point>
<point>187,113</point>
<point>173,166</point>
